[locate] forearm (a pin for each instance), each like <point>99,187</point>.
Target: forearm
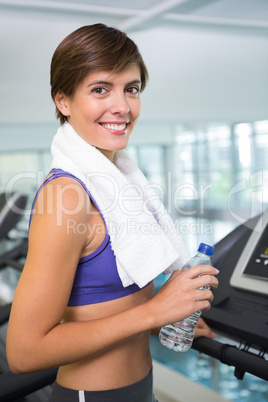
<point>155,331</point>
<point>71,342</point>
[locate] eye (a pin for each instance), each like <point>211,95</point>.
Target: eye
<point>99,90</point>
<point>133,90</point>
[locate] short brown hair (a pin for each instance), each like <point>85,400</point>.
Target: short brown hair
<point>88,49</point>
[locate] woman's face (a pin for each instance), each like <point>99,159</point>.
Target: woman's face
<point>105,108</point>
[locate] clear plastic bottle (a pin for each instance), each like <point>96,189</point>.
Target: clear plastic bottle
<point>179,336</point>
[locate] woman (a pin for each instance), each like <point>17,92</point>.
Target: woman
<point>85,302</point>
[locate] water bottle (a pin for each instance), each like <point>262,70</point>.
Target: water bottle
<point>179,336</point>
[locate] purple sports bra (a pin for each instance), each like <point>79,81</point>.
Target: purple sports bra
<point>96,279</point>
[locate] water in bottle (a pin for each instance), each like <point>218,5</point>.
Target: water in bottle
<point>179,336</point>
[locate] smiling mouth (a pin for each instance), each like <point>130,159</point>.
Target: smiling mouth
<point>115,127</point>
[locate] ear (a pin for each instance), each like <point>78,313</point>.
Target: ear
<point>62,103</point>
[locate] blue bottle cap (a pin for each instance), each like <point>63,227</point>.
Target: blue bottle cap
<point>206,249</point>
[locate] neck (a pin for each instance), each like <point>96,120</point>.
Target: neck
<point>109,154</point>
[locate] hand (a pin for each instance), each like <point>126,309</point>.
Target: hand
<point>180,296</point>
<point>202,329</point>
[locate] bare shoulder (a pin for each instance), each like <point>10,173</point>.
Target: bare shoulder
<point>61,204</point>
<point>62,195</point>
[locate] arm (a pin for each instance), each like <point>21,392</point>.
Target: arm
<point>36,339</point>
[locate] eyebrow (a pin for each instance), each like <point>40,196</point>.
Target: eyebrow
<point>93,83</point>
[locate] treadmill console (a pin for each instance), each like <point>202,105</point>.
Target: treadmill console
<point>240,306</point>
<point>251,270</point>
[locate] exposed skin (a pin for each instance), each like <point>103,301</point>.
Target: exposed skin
<point>101,99</point>
<point>88,342</point>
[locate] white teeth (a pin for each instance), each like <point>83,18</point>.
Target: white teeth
<point>118,127</point>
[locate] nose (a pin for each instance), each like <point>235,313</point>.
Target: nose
<point>119,104</point>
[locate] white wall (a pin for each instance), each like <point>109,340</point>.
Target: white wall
<point>195,75</point>
<point>204,75</point>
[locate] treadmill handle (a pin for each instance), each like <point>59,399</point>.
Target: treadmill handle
<point>243,361</point>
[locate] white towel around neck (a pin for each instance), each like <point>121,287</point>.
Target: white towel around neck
<point>143,237</point>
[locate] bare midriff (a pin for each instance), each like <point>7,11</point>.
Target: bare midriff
<point>122,365</point>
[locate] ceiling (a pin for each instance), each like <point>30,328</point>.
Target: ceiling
<point>135,15</point>
<point>226,39</point>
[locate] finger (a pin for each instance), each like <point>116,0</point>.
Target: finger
<point>206,280</point>
<point>205,332</point>
<point>203,305</point>
<point>198,270</point>
<point>204,295</point>
<point>202,329</point>
<point>201,323</point>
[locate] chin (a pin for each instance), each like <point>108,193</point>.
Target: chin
<point>119,145</point>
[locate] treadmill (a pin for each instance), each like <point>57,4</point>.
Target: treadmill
<point>239,310</point>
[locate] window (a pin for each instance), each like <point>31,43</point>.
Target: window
<point>211,179</point>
